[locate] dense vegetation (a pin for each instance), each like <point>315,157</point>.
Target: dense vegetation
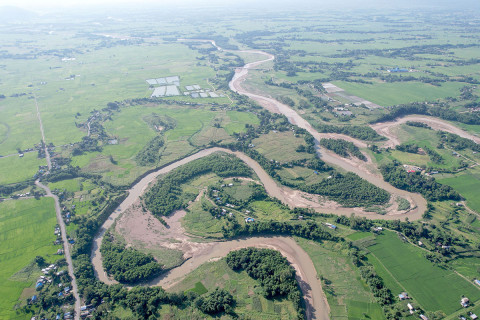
<point>308,230</point>
<point>349,190</point>
<point>437,111</point>
<point>358,132</point>
<point>456,142</point>
<point>219,300</point>
<point>166,195</point>
<point>418,124</point>
<point>127,265</point>
<point>415,182</point>
<point>276,275</point>
<point>150,154</point>
<point>343,148</point>
<point>407,147</point>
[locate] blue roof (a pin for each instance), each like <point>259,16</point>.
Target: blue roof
<point>34,298</point>
<point>39,285</point>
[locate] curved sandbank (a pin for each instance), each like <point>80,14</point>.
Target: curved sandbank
<point>385,128</point>
<point>361,168</point>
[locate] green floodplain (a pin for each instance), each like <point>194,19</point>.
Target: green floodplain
<point>85,77</point>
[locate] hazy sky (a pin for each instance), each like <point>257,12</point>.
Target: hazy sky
<point>39,4</point>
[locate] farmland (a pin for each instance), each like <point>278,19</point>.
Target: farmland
<point>126,92</point>
<point>394,261</point>
<point>246,291</point>
<point>26,229</point>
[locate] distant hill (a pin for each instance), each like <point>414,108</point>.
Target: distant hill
<point>15,14</point>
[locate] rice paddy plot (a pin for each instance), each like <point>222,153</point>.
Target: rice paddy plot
<point>403,267</point>
<point>26,230</point>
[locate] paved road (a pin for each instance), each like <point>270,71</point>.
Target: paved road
<point>60,221</point>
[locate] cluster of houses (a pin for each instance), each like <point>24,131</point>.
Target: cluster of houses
<point>85,311</point>
<point>464,302</point>
<point>343,111</point>
<point>49,268</point>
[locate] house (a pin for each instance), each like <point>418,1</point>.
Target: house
<point>34,299</point>
<point>411,309</point>
<point>331,226</point>
<point>465,302</point>
<point>477,282</point>
<point>248,219</point>
<point>473,316</point>
<point>377,229</point>
<point>39,285</point>
<point>397,69</point>
<point>423,317</point>
<point>403,296</point>
<point>420,243</point>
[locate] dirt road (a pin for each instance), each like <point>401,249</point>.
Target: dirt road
<point>60,221</point>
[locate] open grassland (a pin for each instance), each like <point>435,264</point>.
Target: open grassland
<point>403,268</point>
<point>15,169</point>
<point>348,295</point>
<point>73,185</point>
<point>280,146</point>
<point>246,291</point>
<point>194,128</point>
<point>269,210</point>
<point>467,184</point>
<point>19,127</point>
<point>388,94</point>
<point>424,138</point>
<point>26,231</point>
<point>301,175</point>
<point>202,223</point>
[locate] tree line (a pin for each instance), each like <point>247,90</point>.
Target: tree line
<point>150,154</point>
<point>343,148</point>
<point>166,195</point>
<point>441,112</point>
<point>272,270</point>
<point>359,132</point>
<point>415,182</point>
<point>127,265</point>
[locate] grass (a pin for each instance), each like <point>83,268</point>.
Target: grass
<point>201,223</point>
<point>467,184</point>
<point>246,291</point>
<point>388,94</point>
<point>199,288</point>
<point>298,174</point>
<point>347,294</point>
<point>241,191</point>
<point>26,230</point>
<point>15,169</point>
<point>280,146</point>
<point>359,235</point>
<point>424,281</point>
<point>268,210</point>
<point>358,310</point>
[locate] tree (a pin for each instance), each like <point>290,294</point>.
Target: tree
<point>40,261</point>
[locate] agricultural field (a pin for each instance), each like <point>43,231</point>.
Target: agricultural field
<point>193,128</point>
<point>347,294</point>
<point>245,290</point>
<point>394,261</point>
<point>27,230</point>
<point>15,169</point>
<point>467,184</point>
<point>98,84</point>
